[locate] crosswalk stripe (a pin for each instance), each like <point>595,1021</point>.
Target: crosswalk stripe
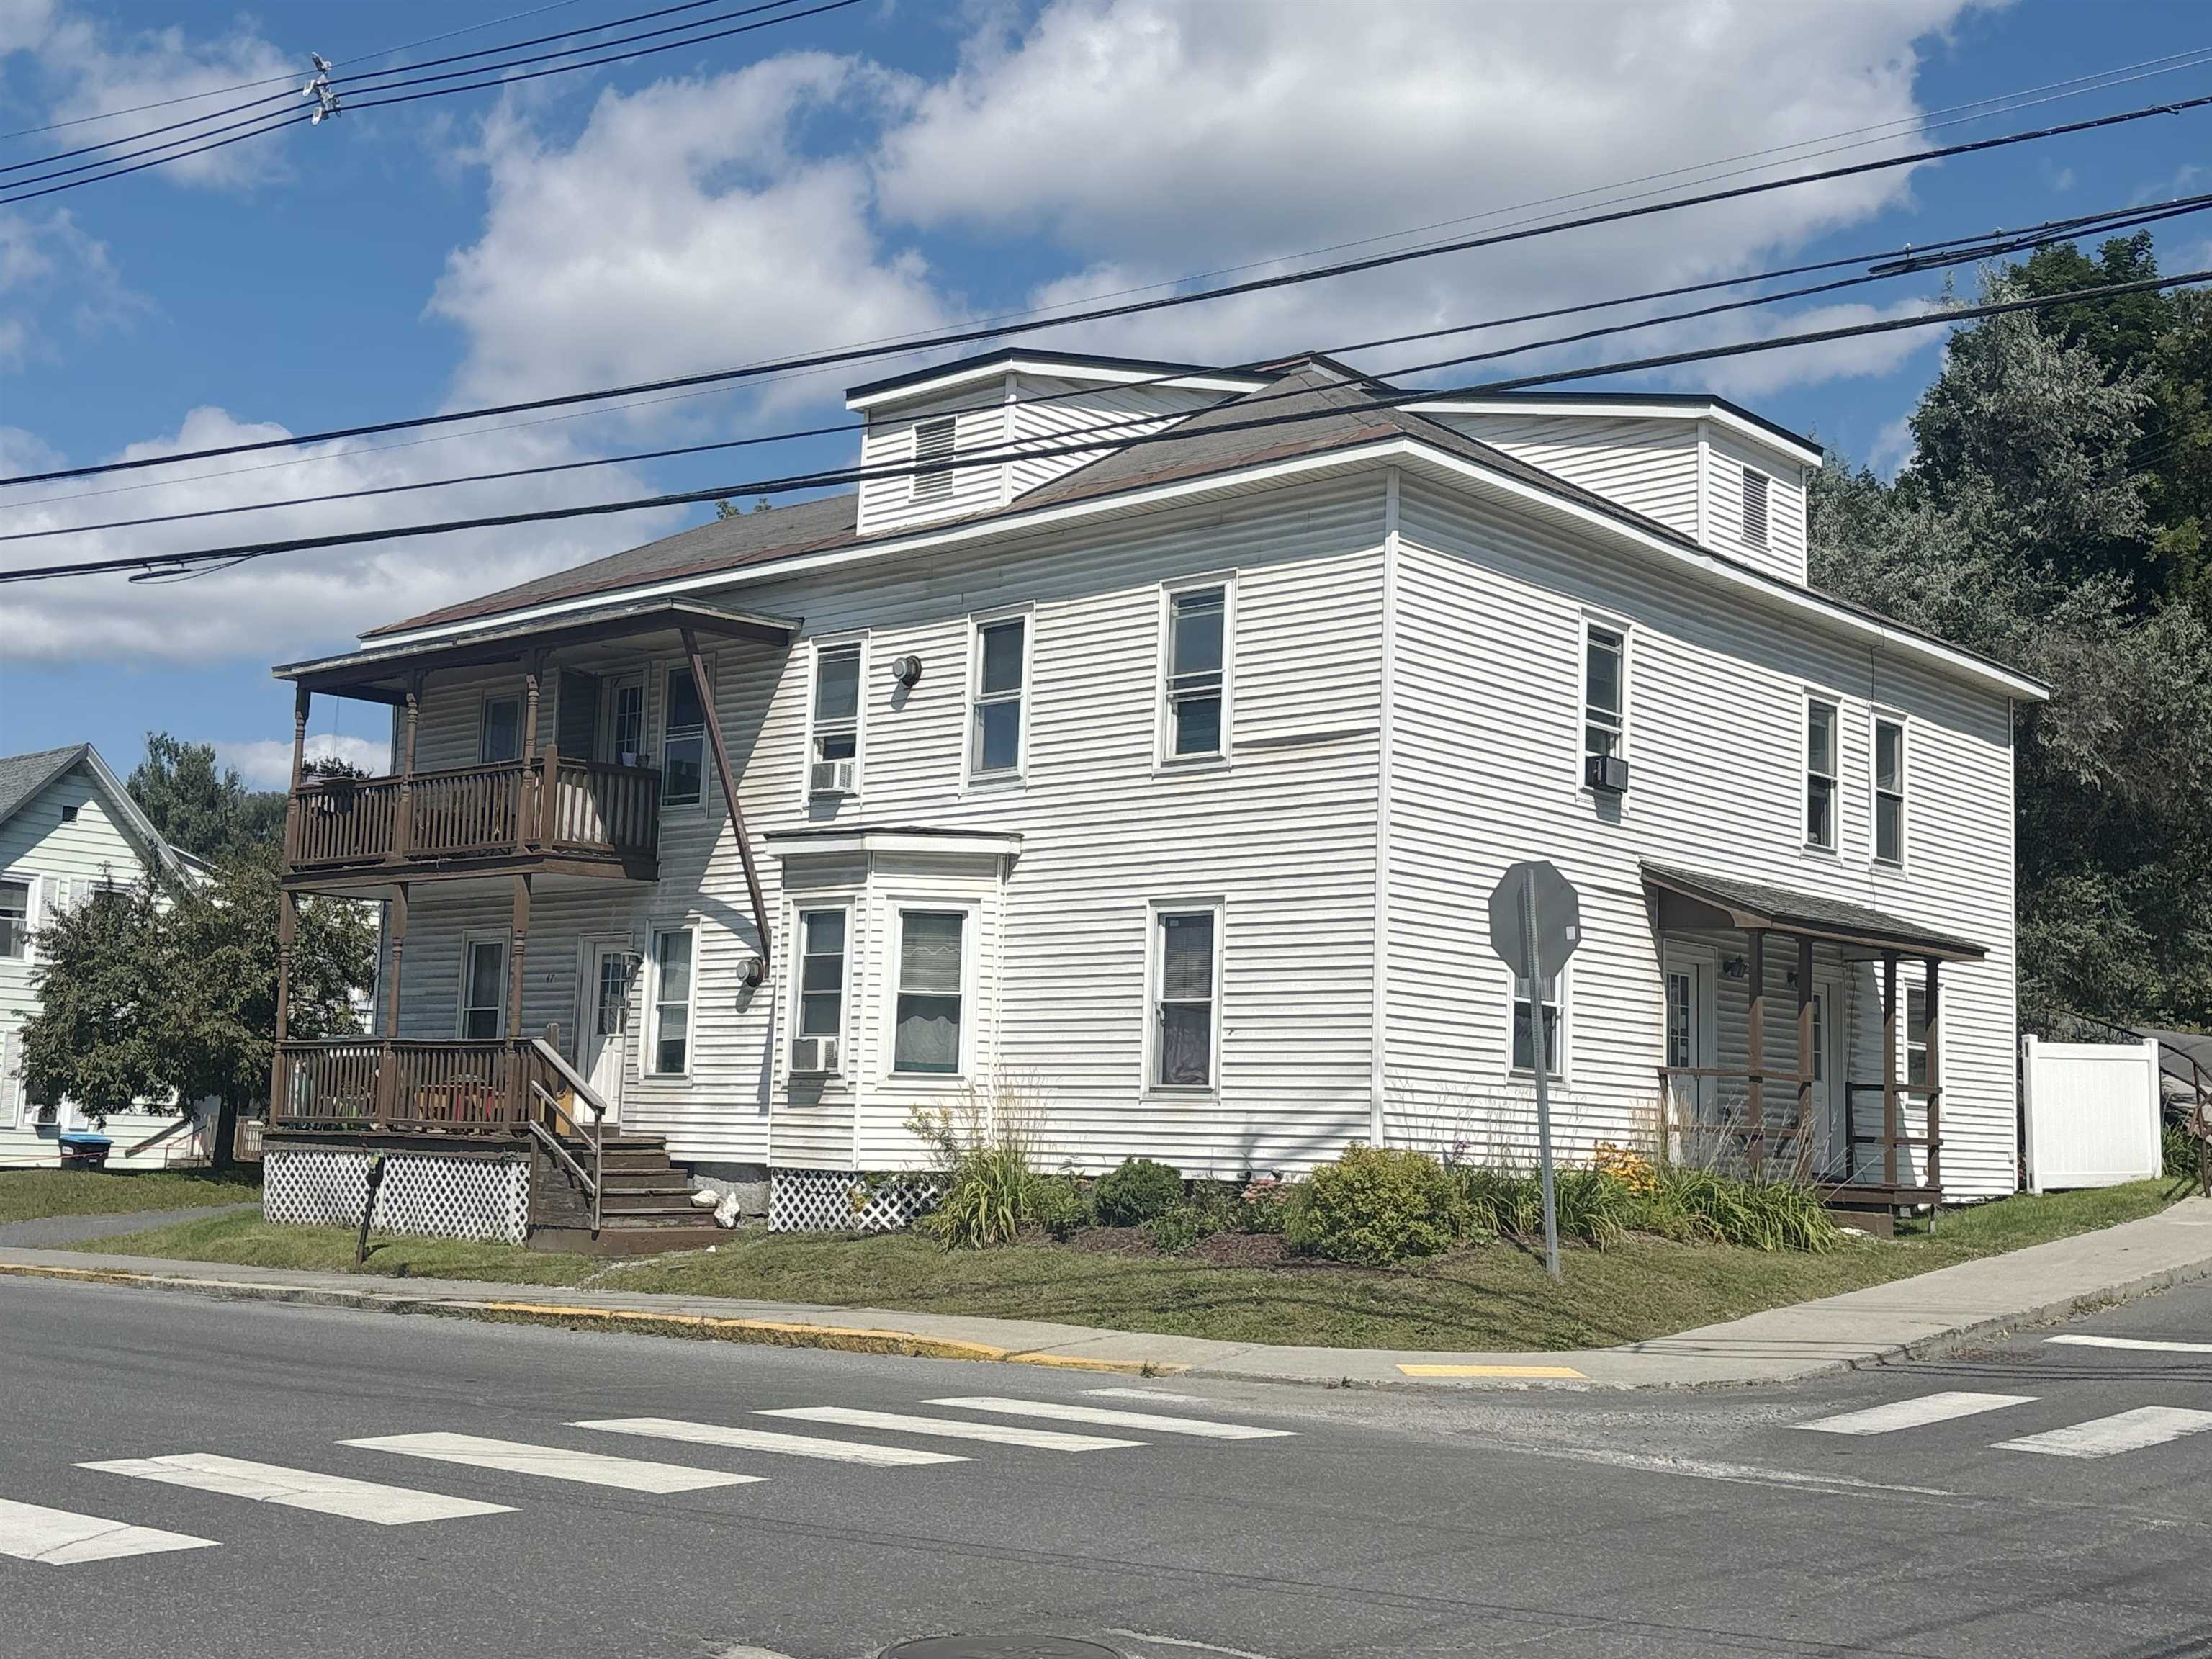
<point>1005,1433</point>
<point>1203,1427</point>
<point>798,1445</point>
<point>1913,1413</point>
<point>299,1489</point>
<point>60,1538</point>
<point>555,1463</point>
<point>2143,1345</point>
<point>2123,1431</point>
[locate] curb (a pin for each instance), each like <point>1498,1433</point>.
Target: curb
<point>770,1333</point>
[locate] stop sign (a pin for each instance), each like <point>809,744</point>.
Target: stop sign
<point>1559,918</point>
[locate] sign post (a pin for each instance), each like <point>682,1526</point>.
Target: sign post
<point>1535,922</point>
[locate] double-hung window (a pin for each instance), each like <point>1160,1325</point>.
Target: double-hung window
<point>1197,643</point>
<point>821,981</point>
<point>500,736</point>
<point>14,920</point>
<point>1889,790</point>
<point>1000,673</point>
<point>1916,1039</point>
<point>626,724</point>
<point>1605,718</point>
<point>484,990</point>
<point>1524,1028</point>
<point>683,742</point>
<point>834,747</point>
<point>933,443</point>
<point>1820,774</point>
<point>926,1037</point>
<point>670,1054</point>
<point>1755,507</point>
<point>1183,999</point>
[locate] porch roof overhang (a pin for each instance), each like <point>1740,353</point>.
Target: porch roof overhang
<point>1693,899</point>
<point>381,673</point>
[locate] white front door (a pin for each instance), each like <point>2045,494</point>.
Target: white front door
<point>1829,1023</point>
<point>604,1055</point>
<point>1687,972</point>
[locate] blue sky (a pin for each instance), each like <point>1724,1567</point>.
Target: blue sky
<point>881,170</point>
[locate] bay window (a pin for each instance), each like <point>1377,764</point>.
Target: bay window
<point>926,1036</point>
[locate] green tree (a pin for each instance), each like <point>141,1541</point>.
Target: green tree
<point>200,807</point>
<point>168,994</point>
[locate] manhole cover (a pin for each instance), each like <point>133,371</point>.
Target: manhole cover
<point>999,1647</point>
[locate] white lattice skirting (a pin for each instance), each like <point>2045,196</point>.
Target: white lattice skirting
<point>840,1201</point>
<point>423,1193</point>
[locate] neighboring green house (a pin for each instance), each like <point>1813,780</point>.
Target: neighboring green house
<point>66,823</point>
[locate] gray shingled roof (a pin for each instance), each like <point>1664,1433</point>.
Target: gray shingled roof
<point>22,776</point>
<point>1782,906</point>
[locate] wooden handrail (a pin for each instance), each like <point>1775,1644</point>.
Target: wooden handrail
<point>594,1136</point>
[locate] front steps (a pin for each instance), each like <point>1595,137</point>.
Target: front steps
<point>645,1206</point>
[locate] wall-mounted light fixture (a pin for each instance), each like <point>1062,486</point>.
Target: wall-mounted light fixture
<point>752,973</point>
<point>1735,968</point>
<point>907,671</point>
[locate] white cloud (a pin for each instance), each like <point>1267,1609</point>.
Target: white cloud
<point>267,764</point>
<point>53,275</point>
<point>680,230</point>
<point>1760,374</point>
<point>292,605</point>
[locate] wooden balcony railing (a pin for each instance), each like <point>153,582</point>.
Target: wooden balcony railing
<point>476,811</point>
<point>468,1088</point>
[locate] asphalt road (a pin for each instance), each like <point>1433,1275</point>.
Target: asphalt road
<point>1385,1523</point>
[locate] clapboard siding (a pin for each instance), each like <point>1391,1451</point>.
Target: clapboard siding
<point>1049,414</point>
<point>1486,762</point>
<point>59,860</point>
<point>1283,835</point>
<point>1649,464</point>
<point>1726,457</point>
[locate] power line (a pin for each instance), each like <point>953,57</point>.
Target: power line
<point>965,336</point>
<point>1963,250</point>
<point>276,120</point>
<point>173,562</point>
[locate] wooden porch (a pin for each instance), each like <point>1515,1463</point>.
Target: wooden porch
<point>1762,1116</point>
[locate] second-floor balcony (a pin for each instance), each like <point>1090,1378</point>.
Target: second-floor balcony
<point>546,806</point>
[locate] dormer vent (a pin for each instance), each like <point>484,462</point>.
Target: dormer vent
<point>932,446</point>
<point>1755,507</point>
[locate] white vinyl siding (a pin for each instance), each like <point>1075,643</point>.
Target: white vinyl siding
<point>1648,465</point>
<point>1754,504</point>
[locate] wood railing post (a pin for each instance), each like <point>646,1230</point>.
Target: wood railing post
<point>525,831</point>
<point>1889,1103</point>
<point>1934,1046</point>
<point>1808,1060</point>
<point>301,697</point>
<point>514,961</point>
<point>403,829</point>
<point>548,825</point>
<point>1755,1053</point>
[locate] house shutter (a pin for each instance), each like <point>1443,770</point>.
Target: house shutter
<point>576,718</point>
<point>11,1088</point>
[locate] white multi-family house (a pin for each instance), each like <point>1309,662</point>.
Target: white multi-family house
<point>1145,741</point>
<point>67,825</point>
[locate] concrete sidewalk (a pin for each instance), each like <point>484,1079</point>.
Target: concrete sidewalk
<point>1930,1313</point>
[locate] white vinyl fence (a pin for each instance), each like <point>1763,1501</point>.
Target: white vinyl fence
<point>2093,1113</point>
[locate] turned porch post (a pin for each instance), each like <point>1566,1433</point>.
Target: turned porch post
<point>1934,1046</point>
<point>529,812</point>
<point>1890,1116</point>
<point>300,698</point>
<point>1755,1053</point>
<point>515,963</point>
<point>402,833</point>
<point>386,1061</point>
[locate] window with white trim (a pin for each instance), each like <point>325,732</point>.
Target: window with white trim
<point>1524,1045</point>
<point>1916,1037</point>
<point>483,989</point>
<point>1821,720</point>
<point>626,724</point>
<point>15,920</point>
<point>1755,507</point>
<point>1605,685</point>
<point>926,1033</point>
<point>934,441</point>
<point>1186,958</point>
<point>834,740</point>
<point>683,742</point>
<point>669,1054</point>
<point>821,975</point>
<point>1001,677</point>
<point>1195,682</point>
<point>1889,790</point>
<point>499,731</point>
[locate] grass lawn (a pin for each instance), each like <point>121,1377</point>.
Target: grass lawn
<point>29,1194</point>
<point>1493,1297</point>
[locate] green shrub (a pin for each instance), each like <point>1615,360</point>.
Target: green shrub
<point>2182,1152</point>
<point>1375,1206</point>
<point>1761,1215</point>
<point>988,1187</point>
<point>1176,1229</point>
<point>1060,1205</point>
<point>1501,1202</point>
<point>1136,1192</point>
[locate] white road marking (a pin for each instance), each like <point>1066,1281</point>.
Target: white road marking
<point>1067,1413</point>
<point>299,1489</point>
<point>60,1539</point>
<point>1913,1413</point>
<point>2123,1431</point>
<point>2140,1344</point>
<point>555,1463</point>
<point>799,1445</point>
<point>1184,1642</point>
<point>1153,1394</point>
<point>1750,1474</point>
<point>1003,1433</point>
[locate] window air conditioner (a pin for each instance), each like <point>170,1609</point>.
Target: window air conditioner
<point>814,1056</point>
<point>1606,773</point>
<point>831,777</point>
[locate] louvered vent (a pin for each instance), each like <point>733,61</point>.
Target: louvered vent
<point>932,443</point>
<point>1755,507</point>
